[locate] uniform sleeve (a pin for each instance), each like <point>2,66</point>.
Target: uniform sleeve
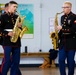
<point>60,34</point>
<point>2,26</point>
<point>73,28</point>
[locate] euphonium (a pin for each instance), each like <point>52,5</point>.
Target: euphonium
<point>17,31</point>
<point>54,35</point>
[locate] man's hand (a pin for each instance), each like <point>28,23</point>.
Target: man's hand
<point>19,24</point>
<point>10,33</point>
<point>59,27</point>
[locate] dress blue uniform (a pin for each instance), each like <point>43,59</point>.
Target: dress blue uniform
<point>67,43</point>
<point>7,22</point>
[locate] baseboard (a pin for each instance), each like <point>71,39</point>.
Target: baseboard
<point>36,65</point>
<point>30,65</point>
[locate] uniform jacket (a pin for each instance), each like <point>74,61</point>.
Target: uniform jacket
<point>7,21</point>
<point>67,35</point>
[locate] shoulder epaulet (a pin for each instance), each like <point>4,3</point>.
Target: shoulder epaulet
<point>73,14</point>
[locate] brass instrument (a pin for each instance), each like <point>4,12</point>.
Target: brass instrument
<point>17,31</point>
<point>54,35</point>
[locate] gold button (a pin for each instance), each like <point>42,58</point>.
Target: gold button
<point>73,36</point>
<point>65,29</point>
<point>64,25</point>
<point>13,22</point>
<point>66,17</point>
<point>64,22</point>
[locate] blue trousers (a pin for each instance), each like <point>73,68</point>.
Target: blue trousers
<point>70,61</point>
<point>18,72</point>
<point>6,64</point>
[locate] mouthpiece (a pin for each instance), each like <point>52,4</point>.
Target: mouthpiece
<point>60,12</point>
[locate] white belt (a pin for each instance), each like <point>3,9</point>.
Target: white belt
<point>8,30</point>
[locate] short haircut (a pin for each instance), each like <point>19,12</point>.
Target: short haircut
<point>6,5</point>
<point>68,2</point>
<point>13,2</point>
